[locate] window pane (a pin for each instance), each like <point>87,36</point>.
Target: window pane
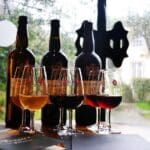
<point>135,16</point>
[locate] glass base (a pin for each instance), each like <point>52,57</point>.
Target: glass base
<point>29,131</point>
<point>24,130</point>
<point>71,131</point>
<point>103,129</point>
<point>100,128</point>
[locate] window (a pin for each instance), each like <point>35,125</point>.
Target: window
<point>135,16</point>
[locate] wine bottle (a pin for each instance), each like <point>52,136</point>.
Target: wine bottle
<point>20,56</point>
<point>87,60</point>
<point>53,59</point>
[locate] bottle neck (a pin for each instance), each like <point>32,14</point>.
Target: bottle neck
<point>22,37</point>
<point>88,43</point>
<point>54,42</point>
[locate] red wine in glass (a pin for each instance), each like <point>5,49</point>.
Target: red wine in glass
<point>91,100</point>
<point>108,102</point>
<point>68,102</point>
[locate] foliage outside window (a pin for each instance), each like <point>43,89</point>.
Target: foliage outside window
<point>40,13</point>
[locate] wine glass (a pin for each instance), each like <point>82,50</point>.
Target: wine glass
<point>56,96</point>
<point>16,80</point>
<point>33,94</point>
<point>110,93</point>
<point>72,86</point>
<point>92,93</point>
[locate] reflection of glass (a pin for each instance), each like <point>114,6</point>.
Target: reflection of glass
<point>33,93</point>
<point>16,80</point>
<point>72,84</point>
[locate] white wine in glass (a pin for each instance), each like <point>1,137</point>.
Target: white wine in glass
<point>15,86</point>
<point>33,93</point>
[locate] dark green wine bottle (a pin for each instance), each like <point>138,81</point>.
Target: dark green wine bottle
<point>19,57</point>
<point>87,60</point>
<point>53,59</point>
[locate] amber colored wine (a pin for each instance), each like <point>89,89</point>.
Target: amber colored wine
<point>16,101</point>
<point>33,103</point>
<point>53,59</point>
<point>88,61</point>
<point>68,102</point>
<point>20,56</point>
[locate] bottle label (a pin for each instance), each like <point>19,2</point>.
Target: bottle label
<point>14,91</point>
<point>91,87</point>
<point>79,87</point>
<point>91,82</point>
<point>9,110</point>
<point>57,87</point>
<point>14,86</point>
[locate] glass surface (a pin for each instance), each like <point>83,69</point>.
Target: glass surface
<point>72,85</point>
<point>15,88</point>
<point>126,11</point>
<point>33,94</point>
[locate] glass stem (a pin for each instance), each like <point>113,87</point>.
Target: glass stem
<point>70,119</point>
<point>32,121</point>
<point>23,121</point>
<point>109,119</point>
<point>61,117</point>
<point>98,118</point>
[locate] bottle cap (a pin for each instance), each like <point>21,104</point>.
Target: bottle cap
<point>88,26</point>
<point>23,20</point>
<point>55,23</point>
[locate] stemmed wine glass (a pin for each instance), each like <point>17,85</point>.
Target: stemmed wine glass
<point>56,95</point>
<point>103,90</point>
<point>111,93</point>
<point>72,86</point>
<point>33,94</point>
<point>16,80</point>
<point>93,90</point>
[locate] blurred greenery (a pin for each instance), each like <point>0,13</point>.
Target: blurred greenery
<point>145,108</point>
<point>39,38</point>
<point>38,43</point>
<point>147,115</point>
<point>127,93</point>
<point>144,105</point>
<point>141,89</point>
<point>2,104</point>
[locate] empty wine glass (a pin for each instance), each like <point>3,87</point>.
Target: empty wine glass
<point>33,94</point>
<point>72,86</point>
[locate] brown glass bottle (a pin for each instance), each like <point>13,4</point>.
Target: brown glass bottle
<point>53,59</point>
<point>87,60</point>
<point>20,56</point>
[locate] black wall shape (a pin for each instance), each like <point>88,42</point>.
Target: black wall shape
<point>112,44</point>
